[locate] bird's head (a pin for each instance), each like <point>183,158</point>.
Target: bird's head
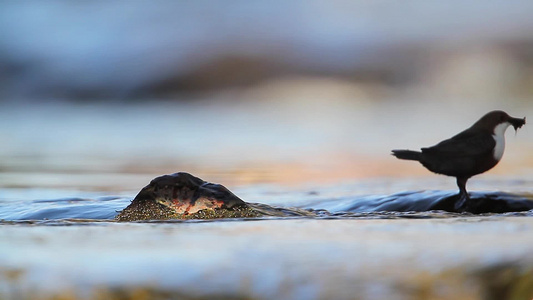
<point>499,119</point>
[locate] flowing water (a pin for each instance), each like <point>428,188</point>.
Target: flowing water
<point>352,226</point>
<point>344,247</point>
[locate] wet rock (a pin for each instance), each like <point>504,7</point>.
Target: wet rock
<point>183,196</point>
<point>489,202</point>
<point>423,201</point>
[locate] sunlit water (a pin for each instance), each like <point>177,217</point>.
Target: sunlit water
<point>65,242</point>
<point>20,206</point>
<point>66,171</point>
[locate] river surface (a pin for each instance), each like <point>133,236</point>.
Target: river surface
<point>66,243</point>
<point>67,170</point>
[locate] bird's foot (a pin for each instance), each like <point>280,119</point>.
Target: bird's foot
<point>460,204</point>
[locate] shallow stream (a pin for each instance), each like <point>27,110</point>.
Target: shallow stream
<point>344,247</point>
<point>355,222</point>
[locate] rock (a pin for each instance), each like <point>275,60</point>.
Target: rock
<point>184,196</point>
<point>486,202</point>
<point>428,200</point>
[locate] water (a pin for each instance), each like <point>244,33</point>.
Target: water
<point>410,204</point>
<point>348,246</point>
<point>272,259</point>
<point>368,231</point>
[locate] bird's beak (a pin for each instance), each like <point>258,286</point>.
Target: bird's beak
<point>517,123</point>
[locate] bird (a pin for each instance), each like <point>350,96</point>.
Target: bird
<point>471,152</point>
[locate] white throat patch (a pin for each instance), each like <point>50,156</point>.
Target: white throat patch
<point>499,138</point>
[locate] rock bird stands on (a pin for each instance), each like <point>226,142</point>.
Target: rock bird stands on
<point>471,152</point>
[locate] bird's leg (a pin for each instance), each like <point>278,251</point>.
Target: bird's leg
<point>463,194</point>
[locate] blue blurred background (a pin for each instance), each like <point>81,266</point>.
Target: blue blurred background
<point>105,94</point>
<point>117,50</point>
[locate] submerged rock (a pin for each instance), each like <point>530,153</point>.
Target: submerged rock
<point>424,201</point>
<point>183,196</point>
<point>485,202</point>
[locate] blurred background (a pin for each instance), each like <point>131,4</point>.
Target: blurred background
<point>106,95</point>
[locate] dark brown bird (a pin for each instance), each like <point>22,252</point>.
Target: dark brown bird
<point>471,152</point>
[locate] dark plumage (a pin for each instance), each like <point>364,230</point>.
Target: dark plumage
<point>471,152</point>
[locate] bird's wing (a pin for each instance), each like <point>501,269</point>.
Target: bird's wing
<point>463,144</point>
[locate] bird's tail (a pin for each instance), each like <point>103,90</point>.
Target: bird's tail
<point>407,154</point>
